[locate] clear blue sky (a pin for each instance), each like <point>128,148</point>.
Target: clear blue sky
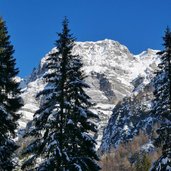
<point>32,24</point>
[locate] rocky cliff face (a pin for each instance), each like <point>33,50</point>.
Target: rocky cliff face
<point>130,115</point>
<point>113,74</point>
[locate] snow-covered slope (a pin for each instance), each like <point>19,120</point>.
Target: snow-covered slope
<point>113,73</point>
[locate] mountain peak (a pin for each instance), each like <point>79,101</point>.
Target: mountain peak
<point>147,53</point>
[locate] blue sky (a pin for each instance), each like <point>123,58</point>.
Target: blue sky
<point>33,24</point>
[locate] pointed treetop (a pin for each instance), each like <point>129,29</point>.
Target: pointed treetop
<point>167,38</point>
<point>1,19</point>
<point>65,25</point>
<point>2,22</point>
<point>65,21</point>
<point>65,37</point>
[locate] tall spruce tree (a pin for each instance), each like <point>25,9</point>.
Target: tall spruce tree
<point>163,105</point>
<point>62,125</point>
<point>10,101</point>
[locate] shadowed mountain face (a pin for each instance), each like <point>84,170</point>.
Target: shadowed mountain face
<point>130,115</point>
<point>113,74</point>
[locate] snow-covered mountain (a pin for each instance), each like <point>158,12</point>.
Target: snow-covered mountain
<point>113,74</point>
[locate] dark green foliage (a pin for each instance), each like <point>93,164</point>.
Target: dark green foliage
<point>10,101</point>
<point>163,105</point>
<point>62,125</point>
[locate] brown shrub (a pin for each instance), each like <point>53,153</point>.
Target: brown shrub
<point>128,157</point>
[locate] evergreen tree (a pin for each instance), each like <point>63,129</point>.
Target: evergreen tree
<point>62,125</point>
<point>163,105</point>
<point>10,101</point>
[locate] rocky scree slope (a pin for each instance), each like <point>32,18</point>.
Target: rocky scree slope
<point>110,68</point>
